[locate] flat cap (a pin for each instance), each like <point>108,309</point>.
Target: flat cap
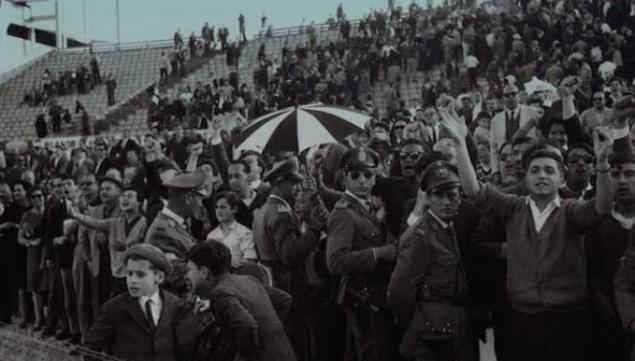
<point>151,253</point>
<point>359,158</point>
<point>438,176</point>
<point>188,181</point>
<point>286,169</point>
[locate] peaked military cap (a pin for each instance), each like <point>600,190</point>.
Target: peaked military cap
<point>439,175</point>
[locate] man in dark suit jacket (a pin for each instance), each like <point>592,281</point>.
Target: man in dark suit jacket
<point>252,312</point>
<point>103,161</point>
<point>138,325</point>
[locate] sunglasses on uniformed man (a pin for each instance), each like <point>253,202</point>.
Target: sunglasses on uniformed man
<point>366,174</point>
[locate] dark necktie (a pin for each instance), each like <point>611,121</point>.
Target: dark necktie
<point>512,123</point>
<point>149,314</point>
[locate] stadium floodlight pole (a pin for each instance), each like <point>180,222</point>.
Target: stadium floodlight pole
<point>118,25</point>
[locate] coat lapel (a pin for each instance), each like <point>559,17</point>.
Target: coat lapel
<point>137,314</point>
<point>169,309</point>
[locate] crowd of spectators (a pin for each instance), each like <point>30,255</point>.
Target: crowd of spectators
<point>372,249</point>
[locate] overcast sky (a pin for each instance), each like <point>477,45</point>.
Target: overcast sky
<point>158,19</point>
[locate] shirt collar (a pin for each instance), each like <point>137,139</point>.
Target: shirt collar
<point>168,212</point>
<point>231,227</point>
<point>154,297</point>
<point>625,222</point>
<point>557,202</point>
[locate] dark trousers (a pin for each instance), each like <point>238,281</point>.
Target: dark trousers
<point>498,306</point>
<point>55,301</point>
<point>370,335</point>
<point>8,293</point>
<point>549,336</point>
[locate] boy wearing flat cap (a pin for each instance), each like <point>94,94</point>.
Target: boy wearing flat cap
<point>428,288</point>
<point>138,325</point>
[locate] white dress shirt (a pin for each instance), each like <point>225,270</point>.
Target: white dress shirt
<point>239,240</point>
<point>156,305</point>
<point>540,217</point>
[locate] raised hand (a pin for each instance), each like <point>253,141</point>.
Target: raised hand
<point>602,144</point>
<point>455,126</point>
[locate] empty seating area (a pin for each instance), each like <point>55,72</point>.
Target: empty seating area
<point>134,70</point>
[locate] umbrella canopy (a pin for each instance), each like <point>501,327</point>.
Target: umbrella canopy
<point>537,85</point>
<point>298,128</point>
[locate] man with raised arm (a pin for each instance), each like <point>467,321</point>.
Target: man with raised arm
<point>546,271</point>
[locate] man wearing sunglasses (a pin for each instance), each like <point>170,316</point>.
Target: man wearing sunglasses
<point>357,251</point>
<point>507,122</point>
<point>579,161</point>
<point>429,286</point>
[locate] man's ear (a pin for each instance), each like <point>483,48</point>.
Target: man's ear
<point>161,276</point>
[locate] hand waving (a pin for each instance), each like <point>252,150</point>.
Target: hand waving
<point>455,126</point>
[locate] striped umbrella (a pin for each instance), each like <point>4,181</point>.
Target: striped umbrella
<point>298,128</point>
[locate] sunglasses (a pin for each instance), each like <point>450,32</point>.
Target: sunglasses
<point>398,127</point>
<point>512,94</point>
<point>413,155</point>
<point>356,174</point>
<point>128,196</point>
<point>602,99</point>
<point>588,159</point>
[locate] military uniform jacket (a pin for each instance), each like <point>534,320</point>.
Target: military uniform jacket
<point>353,232</point>
<point>169,236</point>
<point>428,265</point>
<point>281,245</point>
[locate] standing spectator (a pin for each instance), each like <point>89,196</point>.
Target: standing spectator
<point>164,64</point>
<point>471,62</point>
<point>535,282</point>
<point>111,85</point>
<point>598,115</point>
<point>35,271</point>
<point>40,126</point>
<point>138,325</point>
<point>123,232</point>
<point>55,112</point>
<point>94,68</point>
<point>241,28</point>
